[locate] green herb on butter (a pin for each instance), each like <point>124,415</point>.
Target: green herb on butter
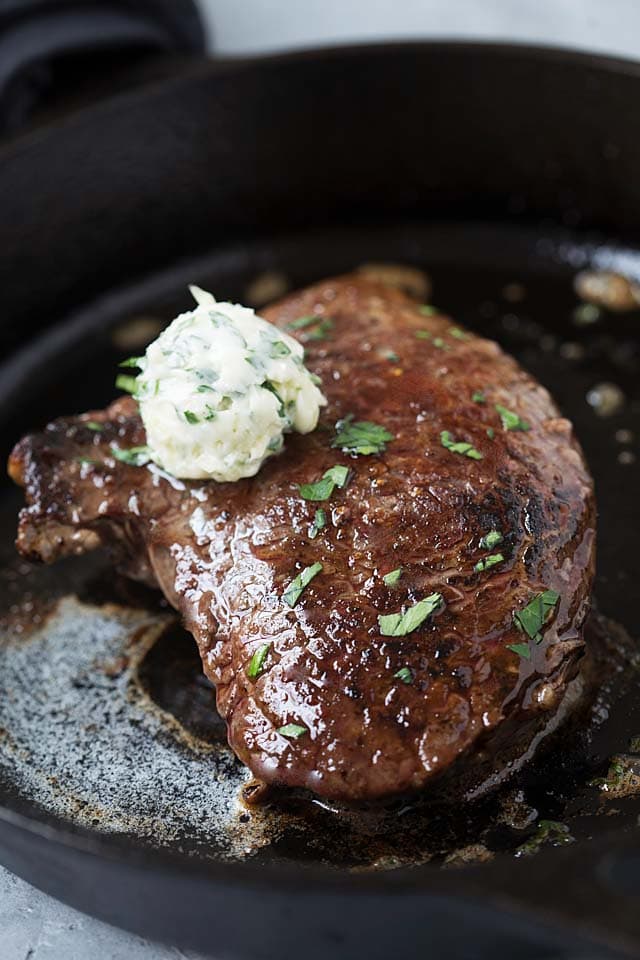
<point>390,579</point>
<point>267,385</point>
<point>278,348</point>
<point>511,420</point>
<point>461,447</point>
<point>126,383</point>
<point>191,417</point>
<point>321,490</point>
<point>400,624</point>
<point>294,591</point>
<point>361,438</point>
<point>257,662</point>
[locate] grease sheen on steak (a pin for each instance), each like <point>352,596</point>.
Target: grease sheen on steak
<point>224,553</point>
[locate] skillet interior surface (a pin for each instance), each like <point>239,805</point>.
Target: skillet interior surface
<point>107,727</point>
<point>499,142</point>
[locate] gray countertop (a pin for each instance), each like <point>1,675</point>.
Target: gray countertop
<point>33,926</point>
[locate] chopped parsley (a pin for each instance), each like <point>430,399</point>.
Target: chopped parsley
<point>511,420</point>
<point>361,438</point>
<point>134,456</point>
<point>400,624</point>
<point>614,778</point>
<point>458,333</point>
<point>532,618</point>
<point>131,362</point>
<point>303,322</point>
<point>267,385</point>
<point>491,433</point>
<point>390,579</point>
<point>95,426</point>
<point>294,730</point>
<point>294,591</point>
<point>278,348</point>
<point>320,332</point>
<point>427,335</point>
<point>404,674</point>
<point>479,397</point>
<point>522,649</point>
<point>86,461</point>
<point>321,490</point>
<point>391,355</point>
<point>318,327</point>
<point>191,417</point>
<point>427,310</point>
<point>126,383</point>
<point>547,831</point>
<point>257,662</point>
<point>491,540</point>
<point>205,388</point>
<point>319,523</point>
<point>487,562</point>
<point>461,447</point>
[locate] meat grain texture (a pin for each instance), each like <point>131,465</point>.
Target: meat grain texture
<point>224,554</point>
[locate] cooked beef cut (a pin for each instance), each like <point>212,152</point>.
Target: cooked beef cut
<point>365,715</point>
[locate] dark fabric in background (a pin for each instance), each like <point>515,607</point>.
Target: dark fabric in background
<point>54,52</point>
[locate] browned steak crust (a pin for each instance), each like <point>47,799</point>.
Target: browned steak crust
<point>224,553</point>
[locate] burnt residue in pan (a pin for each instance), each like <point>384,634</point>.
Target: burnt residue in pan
<point>107,721</point>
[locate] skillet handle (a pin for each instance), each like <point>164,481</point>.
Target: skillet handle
<point>53,54</point>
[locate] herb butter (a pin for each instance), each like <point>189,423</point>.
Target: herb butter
<point>219,388</point>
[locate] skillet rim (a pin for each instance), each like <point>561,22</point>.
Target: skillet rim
<point>225,65</point>
<point>247,874</point>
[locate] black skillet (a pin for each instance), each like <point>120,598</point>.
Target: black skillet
<point>487,165</point>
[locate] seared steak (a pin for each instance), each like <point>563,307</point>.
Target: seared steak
<point>319,695</point>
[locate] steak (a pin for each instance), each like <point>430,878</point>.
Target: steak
<point>322,695</point>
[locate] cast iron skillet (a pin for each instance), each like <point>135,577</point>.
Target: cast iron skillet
<point>484,164</point>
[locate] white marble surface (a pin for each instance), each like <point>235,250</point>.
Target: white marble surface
<point>32,925</point>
